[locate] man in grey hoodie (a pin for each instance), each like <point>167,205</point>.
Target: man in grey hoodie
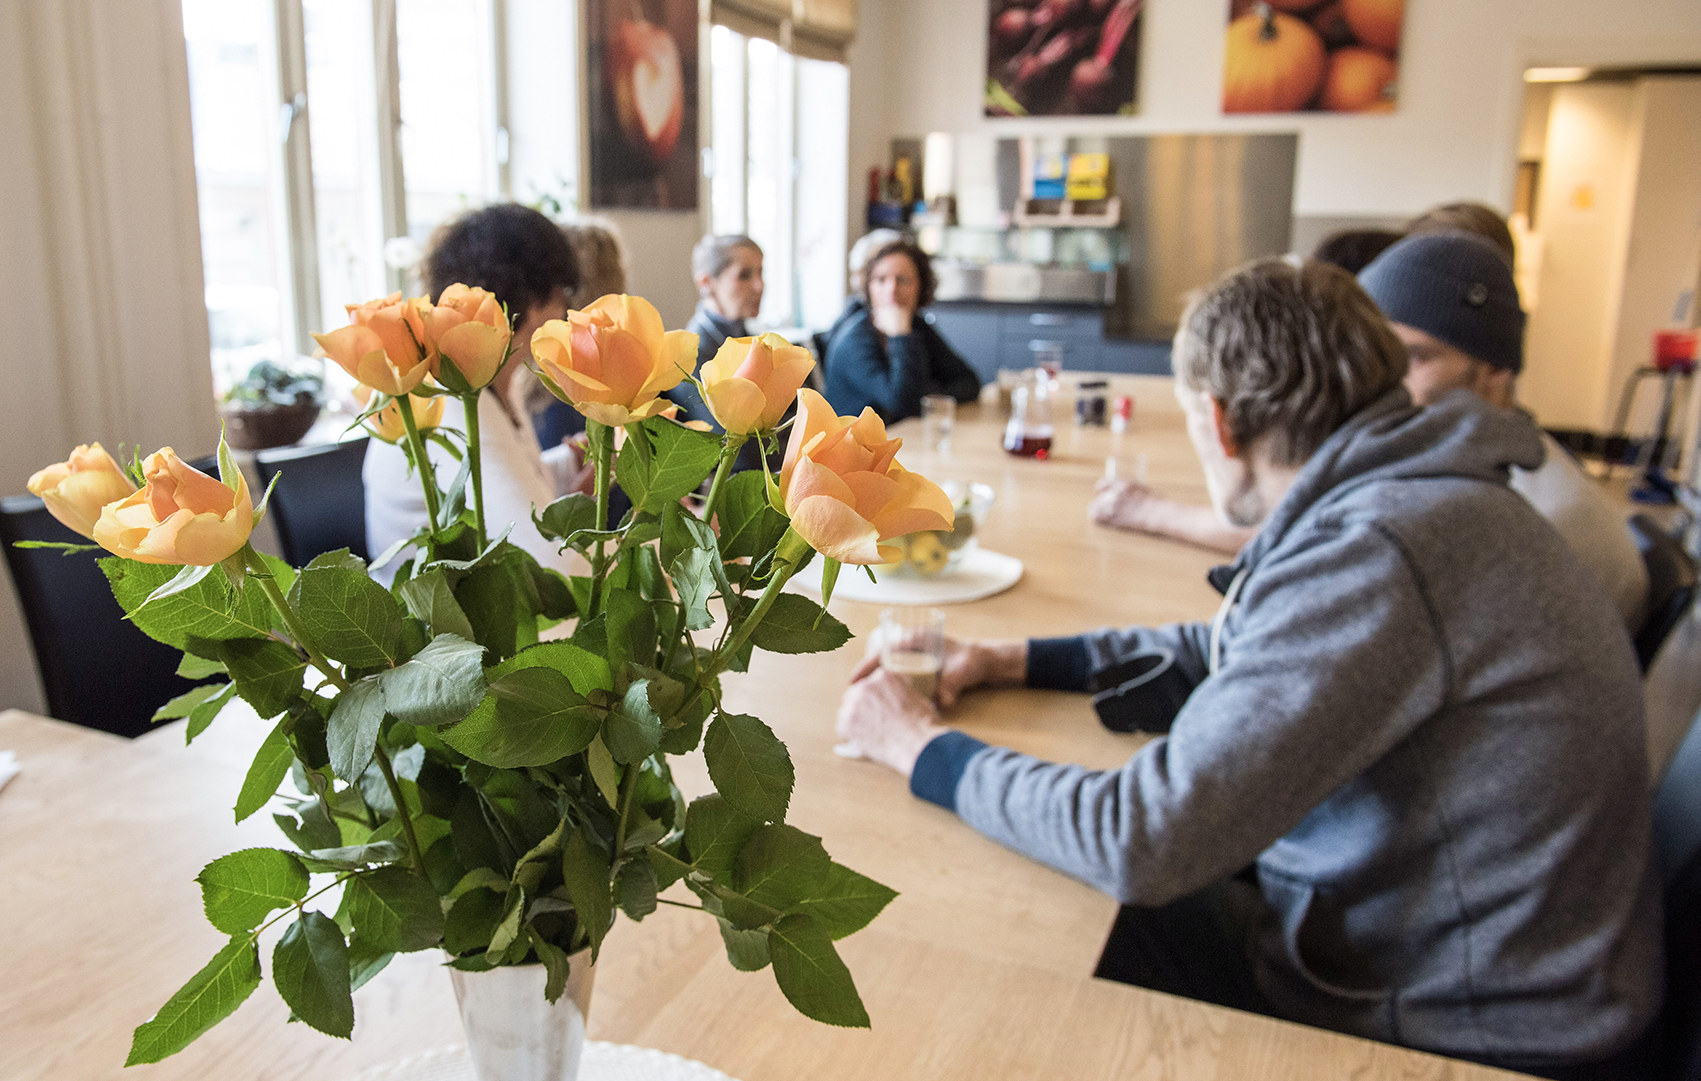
<point>1415,716</point>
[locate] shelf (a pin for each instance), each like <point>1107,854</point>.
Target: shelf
<point>1068,213</point>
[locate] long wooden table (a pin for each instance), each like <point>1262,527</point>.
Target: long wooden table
<point>981,967</point>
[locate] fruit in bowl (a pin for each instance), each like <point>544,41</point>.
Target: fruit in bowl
<point>932,552</point>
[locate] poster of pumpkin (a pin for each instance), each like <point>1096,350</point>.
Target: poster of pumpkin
<point>642,68</point>
<point>1333,56</point>
<point>1062,57</point>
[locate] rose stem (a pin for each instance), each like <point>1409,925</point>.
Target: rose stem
<point>729,452</point>
<point>469,405</point>
<point>421,462</point>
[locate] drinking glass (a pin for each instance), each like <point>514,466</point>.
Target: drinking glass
<point>938,415</point>
<point>912,645</point>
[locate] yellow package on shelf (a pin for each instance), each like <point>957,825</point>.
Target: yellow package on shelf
<point>1089,176</point>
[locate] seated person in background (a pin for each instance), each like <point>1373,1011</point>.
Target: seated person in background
<point>728,273</point>
<point>521,257</point>
<point>857,263</point>
<point>602,271</point>
<point>1438,781</point>
<point>1474,218</point>
<point>1353,249</point>
<point>887,356</point>
<point>1451,299</point>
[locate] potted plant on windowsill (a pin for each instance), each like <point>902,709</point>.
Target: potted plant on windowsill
<point>273,406</point>
<point>467,786</point>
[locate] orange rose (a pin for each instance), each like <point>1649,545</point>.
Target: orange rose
<point>750,381</point>
<point>846,492</point>
<point>76,490</point>
<point>468,326</point>
<point>181,516</point>
<point>387,424</point>
<point>386,345</point>
<point>611,360</point>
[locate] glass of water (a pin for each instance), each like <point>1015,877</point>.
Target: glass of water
<point>912,645</point>
<point>938,416</point>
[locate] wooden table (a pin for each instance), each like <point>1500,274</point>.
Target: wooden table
<point>979,969</point>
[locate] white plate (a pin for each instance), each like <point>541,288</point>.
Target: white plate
<point>601,1062</point>
<point>981,573</point>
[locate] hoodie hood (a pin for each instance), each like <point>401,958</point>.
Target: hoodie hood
<point>1391,439</point>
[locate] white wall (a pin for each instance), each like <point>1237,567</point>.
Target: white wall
<point>100,287</point>
<point>918,66</point>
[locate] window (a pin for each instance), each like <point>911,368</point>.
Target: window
<point>781,146</point>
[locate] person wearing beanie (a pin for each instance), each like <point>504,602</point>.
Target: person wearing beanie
<point>1451,299</point>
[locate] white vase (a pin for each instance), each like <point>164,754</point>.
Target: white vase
<point>513,1032</point>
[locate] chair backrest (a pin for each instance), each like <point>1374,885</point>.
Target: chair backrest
<point>817,380</point>
<point>1677,843</point>
<point>75,625</point>
<point>1671,585</point>
<point>319,504</point>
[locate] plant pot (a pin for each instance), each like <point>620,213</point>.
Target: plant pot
<point>279,426</point>
<point>513,1032</point>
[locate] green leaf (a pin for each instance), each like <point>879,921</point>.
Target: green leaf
<point>749,526</point>
<point>271,764</point>
<point>631,628</point>
<point>694,577</point>
<point>567,516</point>
<point>204,714</point>
<point>353,729</point>
<point>812,976</point>
<point>555,963</point>
<point>508,928</point>
<point>669,868</point>
<point>531,717</point>
<point>429,598</point>
<point>439,685</point>
<point>350,617</point>
<point>471,921</point>
<point>485,878</point>
<point>185,578</point>
<point>780,866</point>
<point>604,771</point>
<point>194,618</point>
<point>310,971</point>
<point>587,671</point>
<point>363,961</point>
<point>747,950</point>
<point>846,902</point>
<point>587,877</point>
<point>632,731</point>
<point>210,996</point>
<point>715,833</point>
<point>240,890</point>
<point>636,886</point>
<point>266,673</point>
<point>394,910</point>
<point>663,461</point>
<point>193,667</point>
<point>829,576</point>
<point>682,531</point>
<point>360,855</point>
<point>185,703</point>
<point>492,600</point>
<point>797,624</point>
<point>749,765</point>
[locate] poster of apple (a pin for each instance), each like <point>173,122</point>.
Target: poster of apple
<point>1331,56</point>
<point>642,71</point>
<point>1062,57</point>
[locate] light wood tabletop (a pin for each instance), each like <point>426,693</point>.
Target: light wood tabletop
<point>981,967</point>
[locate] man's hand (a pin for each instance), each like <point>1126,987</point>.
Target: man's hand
<point>1128,504</point>
<point>968,664</point>
<point>884,718</point>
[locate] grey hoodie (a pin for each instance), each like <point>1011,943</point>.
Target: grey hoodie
<point>1424,725</point>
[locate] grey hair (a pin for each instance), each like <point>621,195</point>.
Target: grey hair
<point>1290,352</point>
<point>713,254</point>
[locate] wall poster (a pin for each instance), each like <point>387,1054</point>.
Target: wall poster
<point>642,75</point>
<point>1333,56</point>
<point>1062,57</point>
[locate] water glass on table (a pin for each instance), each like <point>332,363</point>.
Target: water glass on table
<point>938,416</point>
<point>910,642</point>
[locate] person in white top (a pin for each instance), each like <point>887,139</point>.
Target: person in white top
<point>521,257</point>
<point>1451,298</point>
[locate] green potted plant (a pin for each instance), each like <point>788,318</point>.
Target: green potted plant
<point>274,405</point>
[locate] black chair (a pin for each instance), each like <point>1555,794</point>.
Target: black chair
<point>319,504</point>
<point>1677,843</point>
<point>1671,585</point>
<point>817,380</point>
<point>98,670</point>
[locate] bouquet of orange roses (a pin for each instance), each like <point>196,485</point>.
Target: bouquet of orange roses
<point>446,777</point>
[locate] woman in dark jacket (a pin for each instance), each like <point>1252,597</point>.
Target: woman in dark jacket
<point>883,354</point>
<point>728,273</point>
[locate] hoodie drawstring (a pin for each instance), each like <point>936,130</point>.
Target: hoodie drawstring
<point>1230,596</point>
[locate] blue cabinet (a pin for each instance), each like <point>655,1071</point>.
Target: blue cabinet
<point>994,336</point>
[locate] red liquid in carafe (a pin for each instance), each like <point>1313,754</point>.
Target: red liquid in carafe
<point>1028,446</point>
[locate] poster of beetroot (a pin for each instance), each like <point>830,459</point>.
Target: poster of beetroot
<point>1062,57</point>
<point>643,103</point>
<point>1332,56</point>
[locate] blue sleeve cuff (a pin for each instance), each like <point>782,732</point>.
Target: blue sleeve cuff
<point>1059,664</point>
<point>941,766</point>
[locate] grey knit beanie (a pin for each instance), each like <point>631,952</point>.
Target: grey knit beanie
<point>1455,287</point>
